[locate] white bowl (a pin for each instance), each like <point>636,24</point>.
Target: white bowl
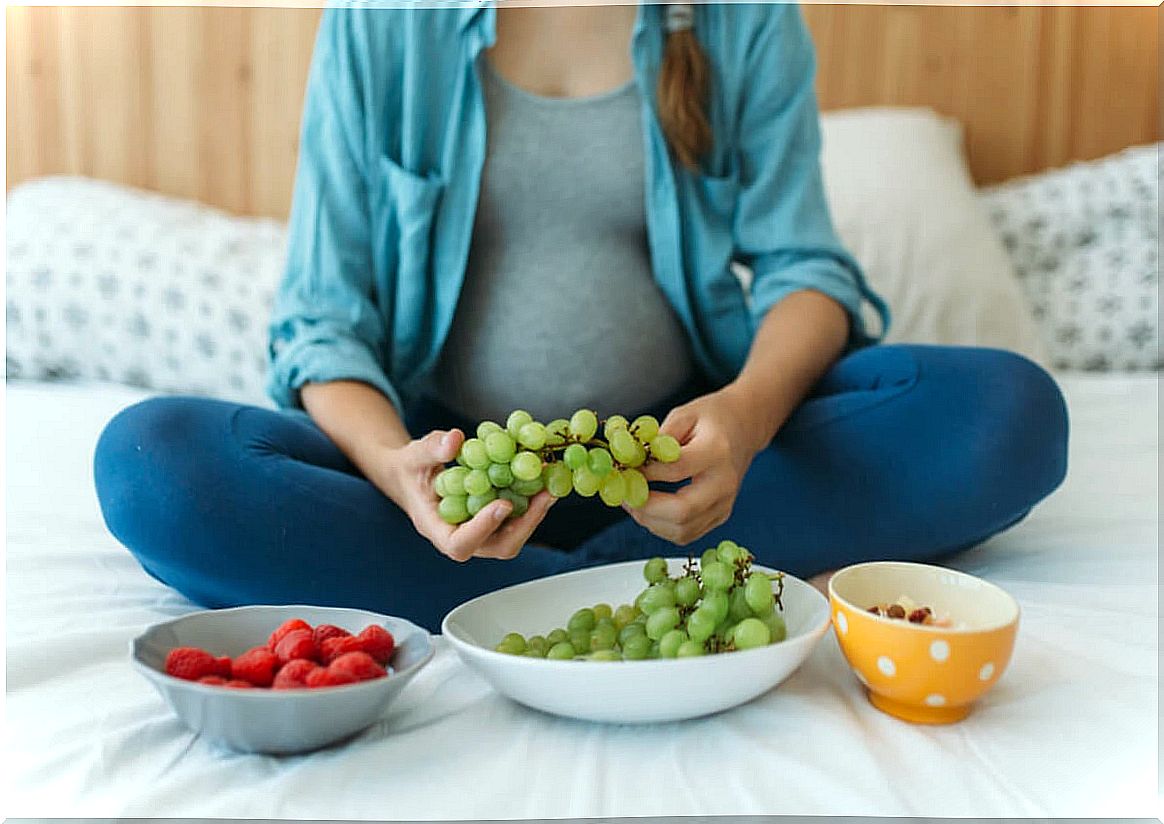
<point>275,721</point>
<point>623,692</point>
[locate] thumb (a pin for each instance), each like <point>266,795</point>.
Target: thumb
<point>679,423</point>
<point>440,446</point>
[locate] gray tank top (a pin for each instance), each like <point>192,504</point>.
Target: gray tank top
<point>559,309</point>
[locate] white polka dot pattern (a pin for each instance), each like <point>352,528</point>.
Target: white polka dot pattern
<point>886,665</point>
<point>935,700</point>
<point>939,651</point>
<point>987,671</point>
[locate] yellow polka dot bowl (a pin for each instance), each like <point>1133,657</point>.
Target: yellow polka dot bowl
<point>923,673</point>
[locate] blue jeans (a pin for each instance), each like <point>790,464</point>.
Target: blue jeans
<point>900,452</point>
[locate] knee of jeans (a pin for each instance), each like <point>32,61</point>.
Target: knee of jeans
<point>1032,414</point>
<point>129,465</point>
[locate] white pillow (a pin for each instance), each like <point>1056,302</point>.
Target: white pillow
<point>110,283</point>
<point>905,206</point>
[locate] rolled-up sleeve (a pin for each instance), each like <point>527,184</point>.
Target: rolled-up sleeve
<point>325,325</point>
<point>784,233</point>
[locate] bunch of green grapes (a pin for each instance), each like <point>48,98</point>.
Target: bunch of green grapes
<point>717,606</point>
<point>524,457</point>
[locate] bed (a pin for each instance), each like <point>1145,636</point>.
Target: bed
<point>1070,731</point>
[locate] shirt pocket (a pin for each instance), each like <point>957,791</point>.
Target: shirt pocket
<point>404,206</point>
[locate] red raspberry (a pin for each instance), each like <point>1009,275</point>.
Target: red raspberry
<point>333,648</point>
<point>296,644</point>
<point>294,674</point>
<point>256,666</point>
<point>359,665</point>
<point>324,631</point>
<point>284,628</point>
<point>224,666</point>
<point>236,684</point>
<point>326,677</point>
<point>191,663</point>
<point>213,680</point>
<point>378,642</point>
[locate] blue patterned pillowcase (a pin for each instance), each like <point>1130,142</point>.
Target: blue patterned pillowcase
<point>110,283</point>
<point>1085,243</point>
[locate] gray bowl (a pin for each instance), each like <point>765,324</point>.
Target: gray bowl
<point>275,721</point>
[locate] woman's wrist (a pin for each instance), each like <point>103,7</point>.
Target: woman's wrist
<point>760,408</point>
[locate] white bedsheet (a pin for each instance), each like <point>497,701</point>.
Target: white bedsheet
<point>1071,729</point>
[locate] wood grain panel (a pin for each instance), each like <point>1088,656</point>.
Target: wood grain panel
<point>203,102</point>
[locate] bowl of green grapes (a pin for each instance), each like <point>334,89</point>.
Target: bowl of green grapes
<point>643,642</point>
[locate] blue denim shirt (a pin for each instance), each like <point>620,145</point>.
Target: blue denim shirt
<point>391,152</point>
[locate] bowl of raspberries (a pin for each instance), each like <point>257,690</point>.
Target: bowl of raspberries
<point>281,679</point>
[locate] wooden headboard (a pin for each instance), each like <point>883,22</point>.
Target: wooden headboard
<point>204,102</point>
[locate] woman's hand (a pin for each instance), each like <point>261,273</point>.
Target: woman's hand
<point>719,438</point>
<point>405,474</point>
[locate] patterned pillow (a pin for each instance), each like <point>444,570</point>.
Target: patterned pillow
<point>1085,243</point>
<point>110,283</point>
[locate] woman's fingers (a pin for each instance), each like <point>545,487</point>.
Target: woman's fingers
<point>679,423</point>
<point>440,446</point>
<point>509,540</point>
<point>462,541</point>
<point>684,516</point>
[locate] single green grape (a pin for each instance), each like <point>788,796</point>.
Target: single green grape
<point>727,632</point>
<point>583,424</point>
<point>640,456</point>
<point>475,454</point>
<point>561,651</point>
<point>738,608</point>
<point>630,631</point>
<point>516,420</point>
<point>661,622</point>
<point>701,624</point>
<point>533,653</point>
<point>586,483</point>
<point>758,591</point>
<point>527,488</point>
<point>438,485</point>
<point>622,446</point>
<point>637,490</point>
<point>612,423</point>
<point>655,570</point>
<point>605,655</point>
<point>500,475</point>
<point>599,462</point>
<point>654,653</point>
<point>486,427</point>
<point>686,591</point>
<point>707,557</point>
<point>637,647</point>
<point>583,619</point>
<point>526,466</point>
<point>513,644</point>
<point>556,636</point>
<point>645,428</point>
<point>717,576</point>
<point>460,459</point>
<point>558,479</point>
<point>603,610</point>
<point>556,431</point>
<point>717,602</point>
<point>657,597</point>
<point>454,482</point>
<point>475,503</point>
<point>612,490</point>
<point>690,649</point>
<point>520,503</point>
<point>669,643</point>
<point>500,447</point>
<point>623,616</point>
<point>777,629</point>
<point>575,456</point>
<point>732,553</point>
<point>477,482</point>
<point>751,633</point>
<point>603,637</point>
<point>538,644</point>
<point>580,640</point>
<point>664,448</point>
<point>454,509</point>
<point>532,435</point>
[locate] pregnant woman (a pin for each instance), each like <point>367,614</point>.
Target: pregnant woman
<point>541,208</point>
